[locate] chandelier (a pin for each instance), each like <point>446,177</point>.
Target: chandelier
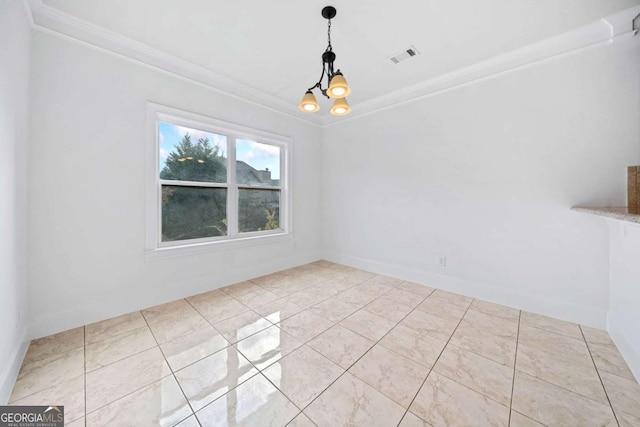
<point>337,87</point>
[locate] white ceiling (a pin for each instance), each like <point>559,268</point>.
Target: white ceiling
<point>275,46</point>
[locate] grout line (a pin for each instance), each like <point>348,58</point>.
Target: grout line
<point>434,364</point>
<point>599,377</point>
<point>515,361</point>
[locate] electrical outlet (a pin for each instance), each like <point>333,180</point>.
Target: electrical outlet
<point>442,261</point>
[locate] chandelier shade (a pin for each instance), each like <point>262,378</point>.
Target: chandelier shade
<point>338,88</point>
<point>340,107</point>
<point>309,103</point>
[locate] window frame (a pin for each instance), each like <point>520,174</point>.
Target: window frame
<point>157,113</point>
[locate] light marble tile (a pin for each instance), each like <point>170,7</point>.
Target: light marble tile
<point>254,403</point>
<point>189,422</point>
<point>579,378</point>
<point>608,358</point>
<point>395,376</point>
<point>305,325</point>
<point>485,344</point>
<point>451,298</point>
<point>560,347</point>
<point>238,289</point>
<point>358,296</point>
<point>341,346</point>
<point>159,404</point>
<point>169,329</point>
<point>438,327</point>
<point>105,352</point>
<point>519,420</point>
<point>374,289</point>
<point>257,298</point>
<point>627,420</point>
<point>208,379</point>
<point>192,346</point>
<point>114,326</point>
<point>48,346</point>
<point>220,310</point>
<point>356,277</point>
<point>485,376</point>
<point>411,420</point>
<point>388,308</point>
<point>243,325</point>
<point>550,324</point>
<point>499,326</point>
<point>308,297</point>
<point>415,288</point>
<point>170,311</point>
<point>269,278</point>
<point>301,421</point>
<point>384,280</point>
<point>42,374</point>
<point>278,310</point>
<point>623,393</point>
<point>596,336</point>
<point>351,402</point>
<point>267,347</point>
<point>334,286</point>
<point>553,405</point>
<point>403,297</point>
<point>112,382</point>
<point>69,394</point>
<point>368,325</point>
<point>286,286</point>
<point>302,375</point>
<point>495,309</point>
<point>333,309</point>
<point>443,309</point>
<point>412,344</point>
<point>207,299</point>
<point>443,402</point>
<point>327,290</point>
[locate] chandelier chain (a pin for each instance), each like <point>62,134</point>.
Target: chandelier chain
<point>329,47</point>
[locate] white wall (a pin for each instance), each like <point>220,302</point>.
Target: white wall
<point>624,310</point>
<point>485,175</point>
<point>15,40</point>
<point>87,170</point>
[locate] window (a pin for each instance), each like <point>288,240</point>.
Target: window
<point>213,183</point>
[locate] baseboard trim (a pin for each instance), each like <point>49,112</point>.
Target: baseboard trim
<point>61,321</point>
<point>534,303</point>
<point>12,367</point>
<point>620,337</point>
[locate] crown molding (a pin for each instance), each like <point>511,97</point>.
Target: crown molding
<point>612,28</point>
<point>53,21</point>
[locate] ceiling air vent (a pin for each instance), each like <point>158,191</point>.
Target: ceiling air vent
<point>405,54</point>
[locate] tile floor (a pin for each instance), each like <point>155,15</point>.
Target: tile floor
<point>328,345</point>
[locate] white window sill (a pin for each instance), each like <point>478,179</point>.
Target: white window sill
<point>200,248</point>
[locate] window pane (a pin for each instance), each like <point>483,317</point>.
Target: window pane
<point>258,210</point>
<point>191,155</point>
<point>193,212</point>
<point>257,164</point>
